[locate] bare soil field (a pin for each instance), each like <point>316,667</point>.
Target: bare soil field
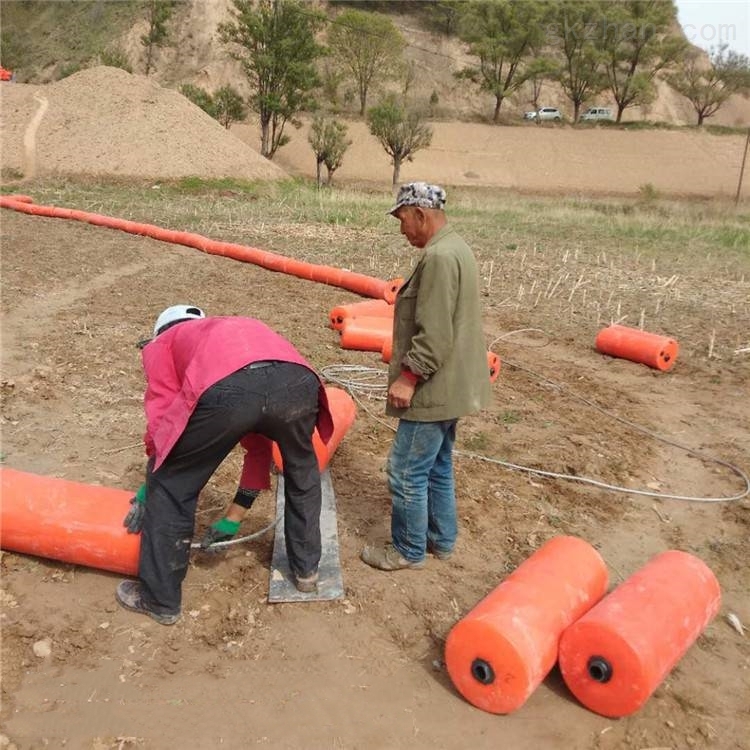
<point>367,671</point>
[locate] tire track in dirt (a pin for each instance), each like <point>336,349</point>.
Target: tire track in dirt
<point>29,137</point>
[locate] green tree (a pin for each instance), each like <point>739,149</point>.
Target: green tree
<point>158,13</point>
<point>637,42</point>
<point>503,34</point>
<point>275,42</point>
<point>580,72</point>
<point>401,131</point>
<point>329,144</point>
<point>708,85</point>
<point>198,96</point>
<point>368,46</point>
<point>228,106</point>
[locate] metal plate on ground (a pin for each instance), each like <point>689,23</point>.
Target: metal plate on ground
<point>330,582</point>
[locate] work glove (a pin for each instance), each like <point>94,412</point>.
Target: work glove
<point>134,520</point>
<point>221,531</point>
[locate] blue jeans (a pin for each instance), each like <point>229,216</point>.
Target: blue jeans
<point>420,477</point>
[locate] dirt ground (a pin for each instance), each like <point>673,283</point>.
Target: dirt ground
<point>366,671</point>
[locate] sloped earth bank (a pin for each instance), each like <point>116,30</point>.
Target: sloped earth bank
<point>364,672</point>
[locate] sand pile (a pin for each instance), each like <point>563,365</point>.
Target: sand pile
<point>104,121</point>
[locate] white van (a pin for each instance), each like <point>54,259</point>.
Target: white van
<point>597,113</point>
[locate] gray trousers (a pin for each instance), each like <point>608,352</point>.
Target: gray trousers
<point>275,399</point>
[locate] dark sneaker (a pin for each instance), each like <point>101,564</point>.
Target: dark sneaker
<point>128,594</point>
<point>439,553</point>
<point>387,557</point>
<point>307,584</point>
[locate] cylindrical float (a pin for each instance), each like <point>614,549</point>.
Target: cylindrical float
<point>68,521</point>
<point>386,351</point>
<point>659,352</point>
<point>501,651</point>
<point>343,410</point>
<point>366,333</point>
<point>493,362</point>
<point>375,308</point>
<point>618,653</point>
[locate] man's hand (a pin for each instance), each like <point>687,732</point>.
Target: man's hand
<point>401,392</point>
<point>134,519</point>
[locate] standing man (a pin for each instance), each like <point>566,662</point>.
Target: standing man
<point>212,383</point>
<point>438,373</point>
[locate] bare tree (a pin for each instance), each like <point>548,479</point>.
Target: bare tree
<point>708,84</point>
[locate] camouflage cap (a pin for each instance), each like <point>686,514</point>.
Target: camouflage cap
<point>420,194</point>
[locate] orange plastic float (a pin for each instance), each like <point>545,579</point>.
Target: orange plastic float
<point>369,307</point>
<point>366,333</point>
<point>493,362</point>
<point>502,650</point>
<point>367,286</point>
<point>659,352</point>
<point>386,351</point>
<point>343,410</point>
<point>68,521</point>
<point>616,655</point>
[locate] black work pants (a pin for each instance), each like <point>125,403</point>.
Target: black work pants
<point>278,400</point>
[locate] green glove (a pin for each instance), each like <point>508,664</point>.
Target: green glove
<point>221,531</point>
<point>134,519</point>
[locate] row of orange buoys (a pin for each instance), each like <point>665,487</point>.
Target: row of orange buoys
<point>613,650</point>
<point>367,286</point>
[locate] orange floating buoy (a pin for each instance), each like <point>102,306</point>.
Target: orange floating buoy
<point>68,521</point>
<point>493,362</point>
<point>659,352</point>
<point>343,410</point>
<point>386,351</point>
<point>366,333</point>
<point>616,655</point>
<point>370,308</point>
<point>500,652</point>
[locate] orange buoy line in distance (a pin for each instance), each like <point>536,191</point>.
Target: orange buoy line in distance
<point>343,411</point>
<point>618,653</point>
<point>367,286</point>
<point>67,521</point>
<point>500,652</point>
<point>659,352</point>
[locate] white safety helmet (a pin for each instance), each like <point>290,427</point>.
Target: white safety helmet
<point>176,313</point>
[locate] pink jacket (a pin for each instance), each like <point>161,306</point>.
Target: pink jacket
<point>187,359</point>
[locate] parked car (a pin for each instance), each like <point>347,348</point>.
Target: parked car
<point>598,113</point>
<point>544,113</point>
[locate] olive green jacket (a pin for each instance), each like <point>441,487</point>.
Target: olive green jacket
<point>437,333</point>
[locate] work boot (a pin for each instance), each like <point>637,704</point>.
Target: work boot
<point>387,557</point>
<point>439,553</point>
<point>129,595</point>
<point>307,584</point>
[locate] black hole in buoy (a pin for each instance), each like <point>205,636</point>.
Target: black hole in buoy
<point>482,671</point>
<point>665,356</point>
<point>599,669</point>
